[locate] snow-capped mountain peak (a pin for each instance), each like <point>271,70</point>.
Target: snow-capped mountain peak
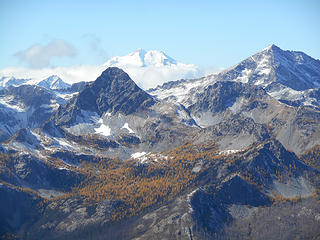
<point>291,69</point>
<point>270,47</point>
<point>53,82</point>
<point>151,68</point>
<point>141,58</point>
<point>133,59</point>
<point>289,76</point>
<point>11,81</point>
<point>158,58</point>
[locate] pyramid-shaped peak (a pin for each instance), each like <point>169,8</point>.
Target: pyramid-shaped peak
<point>53,82</point>
<point>113,91</point>
<point>54,77</point>
<point>275,69</point>
<point>113,71</point>
<point>271,47</point>
<point>113,74</point>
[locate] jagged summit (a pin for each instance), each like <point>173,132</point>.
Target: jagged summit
<point>6,81</point>
<point>113,91</point>
<point>289,76</point>
<point>292,69</point>
<point>53,82</point>
<point>275,69</point>
<point>271,47</point>
<point>113,75</point>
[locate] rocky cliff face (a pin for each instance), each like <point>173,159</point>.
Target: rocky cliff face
<point>112,92</point>
<point>25,106</point>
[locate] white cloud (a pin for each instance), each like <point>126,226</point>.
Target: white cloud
<point>152,76</point>
<point>145,75</point>
<point>40,56</point>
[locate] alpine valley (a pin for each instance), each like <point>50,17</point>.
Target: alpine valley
<point>232,155</point>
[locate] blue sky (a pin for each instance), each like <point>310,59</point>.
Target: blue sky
<point>210,34</point>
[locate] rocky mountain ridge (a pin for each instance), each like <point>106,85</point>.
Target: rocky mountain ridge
<point>110,160</point>
<point>288,76</point>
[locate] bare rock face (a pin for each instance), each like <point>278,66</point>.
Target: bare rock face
<point>112,92</point>
<point>222,95</point>
<point>24,106</point>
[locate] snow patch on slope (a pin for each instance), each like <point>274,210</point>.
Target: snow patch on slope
<point>103,130</point>
<point>126,126</point>
<point>9,102</point>
<point>138,155</point>
<point>147,158</point>
<point>6,81</point>
<point>229,151</point>
<point>182,91</point>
